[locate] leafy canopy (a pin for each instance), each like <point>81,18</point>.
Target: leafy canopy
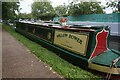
<point>85,8</point>
<point>61,10</point>
<point>9,9</point>
<point>43,10</point>
<point>115,5</point>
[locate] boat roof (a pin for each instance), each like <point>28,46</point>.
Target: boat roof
<point>67,27</point>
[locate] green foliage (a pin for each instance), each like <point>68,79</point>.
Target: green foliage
<point>0,9</point>
<point>8,10</point>
<point>85,8</point>
<point>61,10</point>
<point>61,66</point>
<point>25,16</point>
<point>118,6</point>
<point>43,10</point>
<point>115,5</point>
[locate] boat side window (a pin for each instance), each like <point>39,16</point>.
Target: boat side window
<point>18,25</point>
<point>26,28</point>
<point>22,27</point>
<point>37,31</point>
<point>30,29</point>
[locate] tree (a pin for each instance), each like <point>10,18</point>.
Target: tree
<point>25,16</point>
<point>0,9</point>
<point>43,10</point>
<point>115,5</point>
<point>61,10</point>
<point>85,8</point>
<point>119,6</point>
<point>9,9</point>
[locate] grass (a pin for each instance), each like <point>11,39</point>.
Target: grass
<point>0,24</point>
<point>61,66</point>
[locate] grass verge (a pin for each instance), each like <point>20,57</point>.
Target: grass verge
<point>0,24</point>
<point>61,66</point>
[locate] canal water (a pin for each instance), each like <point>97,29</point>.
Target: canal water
<point>114,42</point>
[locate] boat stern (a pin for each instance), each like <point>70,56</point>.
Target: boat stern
<point>107,62</point>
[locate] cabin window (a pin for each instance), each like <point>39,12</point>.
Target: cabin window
<point>23,27</point>
<point>44,33</point>
<point>30,29</point>
<point>40,32</point>
<point>26,28</point>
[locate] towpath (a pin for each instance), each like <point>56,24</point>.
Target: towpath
<point>19,62</point>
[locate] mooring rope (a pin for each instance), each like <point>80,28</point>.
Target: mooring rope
<point>109,74</point>
<point>111,66</point>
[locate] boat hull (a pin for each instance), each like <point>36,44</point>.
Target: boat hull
<point>83,47</point>
<point>105,69</point>
<point>67,55</point>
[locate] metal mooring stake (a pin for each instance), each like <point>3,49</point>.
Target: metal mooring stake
<point>111,66</point>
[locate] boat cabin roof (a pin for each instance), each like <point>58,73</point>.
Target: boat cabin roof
<point>57,25</point>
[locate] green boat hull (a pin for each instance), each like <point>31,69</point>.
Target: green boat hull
<point>67,55</point>
<point>85,47</point>
<point>104,61</point>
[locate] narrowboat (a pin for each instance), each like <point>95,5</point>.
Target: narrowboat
<point>87,46</point>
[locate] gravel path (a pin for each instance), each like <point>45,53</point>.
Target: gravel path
<point>0,51</point>
<point>19,62</point>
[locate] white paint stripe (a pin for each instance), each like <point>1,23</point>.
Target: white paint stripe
<point>104,69</point>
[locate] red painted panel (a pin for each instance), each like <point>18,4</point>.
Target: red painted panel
<point>101,43</point>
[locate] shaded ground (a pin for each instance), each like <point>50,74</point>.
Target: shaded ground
<point>18,62</point>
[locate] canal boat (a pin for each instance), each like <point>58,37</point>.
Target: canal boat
<point>87,46</point>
